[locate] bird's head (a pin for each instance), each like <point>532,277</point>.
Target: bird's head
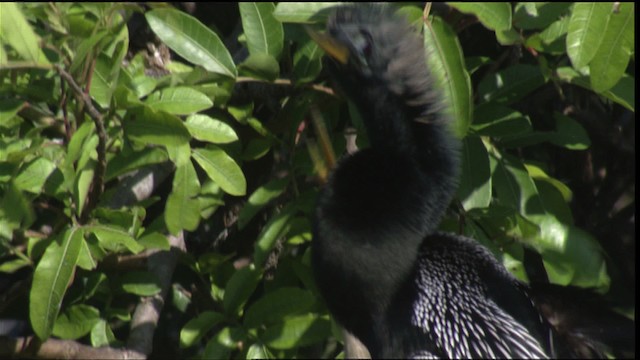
<point>371,45</point>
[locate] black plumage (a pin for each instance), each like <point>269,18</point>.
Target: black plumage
<point>386,274</point>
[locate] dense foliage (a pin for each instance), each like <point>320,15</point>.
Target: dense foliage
<point>127,129</point>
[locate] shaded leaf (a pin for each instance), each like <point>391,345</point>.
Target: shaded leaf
<point>155,127</point>
<point>493,15</point>
<point>76,321</point>
<point>278,304</point>
<point>474,190</point>
<point>239,287</point>
<point>141,283</point>
<point>511,84</point>
<point>182,210</point>
<point>260,197</point>
<point>197,327</point>
<point>297,332</point>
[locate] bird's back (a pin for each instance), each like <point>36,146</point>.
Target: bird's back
<point>466,305</point>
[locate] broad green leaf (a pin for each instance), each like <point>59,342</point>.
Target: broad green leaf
<point>586,31</point>
<point>79,141</point>
<point>307,62</point>
<point>51,278</point>
<point>76,321</point>
<point>493,15</point>
<point>9,108</point>
<point>154,240</point>
<point>278,304</point>
<point>104,79</point>
<point>102,335</point>
<point>33,175</point>
<point>259,351</point>
<point>303,12</point>
<point>15,210</point>
<point>511,84</point>
<point>205,128</point>
<point>297,332</point>
<point>11,266</point>
<point>239,287</point>
<point>17,33</point>
<point>182,210</point>
<point>222,169</point>
<point>155,127</point>
<point>538,15</point>
<point>261,197</point>
<point>179,101</point>
<point>276,227</point>
<point>569,133</point>
<point>221,345</point>
<point>113,238</point>
<point>445,60</point>
<point>192,40</point>
<point>124,161</point>
<point>85,259</point>
<point>515,188</point>
<point>611,60</point>
<point>260,66</point>
<point>264,33</point>
<point>141,283</point>
<point>197,327</point>
<point>579,262</point>
<point>622,93</point>
<point>474,190</point>
<point>553,38</point>
<point>499,121</point>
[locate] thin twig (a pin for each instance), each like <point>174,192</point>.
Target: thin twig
<point>98,176</point>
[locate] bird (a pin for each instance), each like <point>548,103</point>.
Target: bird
<point>385,271</point>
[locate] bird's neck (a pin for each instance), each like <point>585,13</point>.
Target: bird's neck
<point>414,132</point>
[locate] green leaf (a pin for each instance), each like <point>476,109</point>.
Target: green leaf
<point>33,175</point>
<point>9,108</point>
<point>76,321</point>
<point>475,180</point>
<point>17,33</point>
<point>278,304</point>
<point>272,231</point>
<point>15,210</point>
<point>140,283</point>
<point>495,16</point>
<point>112,238</point>
<point>569,133</point>
<point>259,351</point>
<point>82,184</point>
<point>179,100</point>
<point>197,327</point>
<point>155,127</point>
<point>104,80</point>
<point>264,33</point>
<point>446,62</point>
<point>534,15</point>
<point>297,332</point>
<point>260,66</point>
<point>261,197</point>
<point>303,12</point>
<point>205,128</point>
<point>192,40</point>
<point>622,93</point>
<point>50,280</point>
<point>511,84</point>
<point>239,287</point>
<point>499,121</point>
<point>102,335</point>
<point>124,161</point>
<point>307,62</point>
<point>586,31</point>
<point>222,169</point>
<point>221,345</point>
<point>611,60</point>
<point>182,210</point>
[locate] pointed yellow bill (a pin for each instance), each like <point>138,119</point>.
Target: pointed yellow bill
<point>332,47</point>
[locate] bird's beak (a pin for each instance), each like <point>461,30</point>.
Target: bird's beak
<point>330,45</point>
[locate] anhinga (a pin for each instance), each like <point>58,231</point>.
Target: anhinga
<point>387,275</point>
